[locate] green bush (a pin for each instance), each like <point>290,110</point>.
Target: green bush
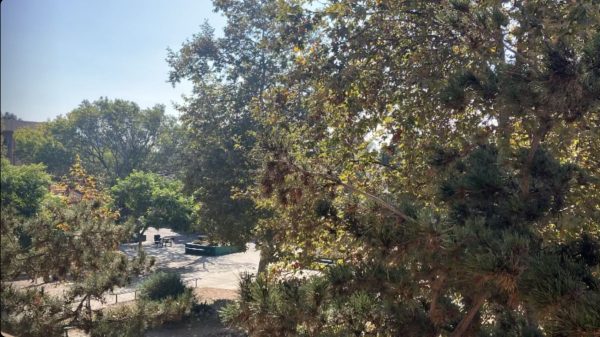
<point>162,285</point>
<point>122,321</point>
<point>135,320</point>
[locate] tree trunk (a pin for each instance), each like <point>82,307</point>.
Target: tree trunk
<point>468,319</point>
<point>266,257</point>
<point>436,291</point>
<point>89,308</point>
<point>140,241</point>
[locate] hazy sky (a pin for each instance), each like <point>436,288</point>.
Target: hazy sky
<point>56,53</point>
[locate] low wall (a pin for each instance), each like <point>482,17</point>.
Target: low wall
<point>196,249</point>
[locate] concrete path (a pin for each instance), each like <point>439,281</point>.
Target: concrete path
<point>221,272</point>
<point>214,271</point>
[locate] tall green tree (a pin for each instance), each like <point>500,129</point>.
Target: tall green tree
<point>439,153</point>
<point>148,200</point>
<point>169,159</point>
<point>23,187</point>
<point>228,74</point>
<point>112,137</point>
<point>38,145</point>
<point>23,190</point>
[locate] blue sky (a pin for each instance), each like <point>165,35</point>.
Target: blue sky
<point>56,53</point>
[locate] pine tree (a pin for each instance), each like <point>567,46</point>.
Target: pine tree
<point>444,156</point>
<point>72,237</point>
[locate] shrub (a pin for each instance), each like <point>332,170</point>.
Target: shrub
<point>162,285</point>
<point>134,320</point>
<point>122,321</point>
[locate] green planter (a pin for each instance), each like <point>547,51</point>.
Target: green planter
<point>196,249</point>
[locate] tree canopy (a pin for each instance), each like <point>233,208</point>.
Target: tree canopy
<point>228,74</point>
<point>148,200</point>
<point>439,154</point>
<point>38,146</point>
<point>112,137</point>
<point>434,164</point>
<point>23,187</point>
<point>10,115</point>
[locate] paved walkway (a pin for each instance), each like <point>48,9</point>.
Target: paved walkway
<point>221,272</point>
<point>208,273</point>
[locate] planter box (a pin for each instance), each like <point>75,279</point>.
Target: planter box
<point>196,249</point>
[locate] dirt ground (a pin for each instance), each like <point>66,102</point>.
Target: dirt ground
<point>211,295</point>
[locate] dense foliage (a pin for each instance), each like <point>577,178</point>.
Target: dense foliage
<point>134,320</point>
<point>164,298</point>
<point>38,145</point>
<point>444,155</point>
<point>65,227</point>
<point>146,199</point>
<point>72,237</point>
<point>161,285</point>
<point>228,74</point>
<point>112,137</point>
<point>23,188</point>
<point>441,158</point>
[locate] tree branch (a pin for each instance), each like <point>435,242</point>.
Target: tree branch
<point>436,290</point>
<point>467,320</point>
<point>335,179</point>
<point>377,199</point>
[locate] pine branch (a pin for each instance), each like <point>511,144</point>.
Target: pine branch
<point>467,320</point>
<point>436,290</point>
<point>520,55</point>
<point>536,139</point>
